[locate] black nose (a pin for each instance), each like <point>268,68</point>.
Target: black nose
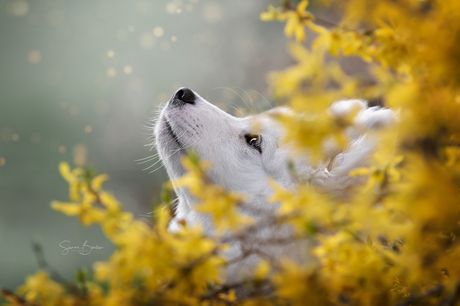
<point>184,94</point>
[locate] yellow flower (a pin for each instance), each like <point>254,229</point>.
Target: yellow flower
<point>114,220</point>
<point>303,208</point>
<point>272,14</point>
<point>295,19</point>
<point>213,200</point>
<point>73,178</point>
<point>384,172</point>
<point>96,183</point>
<point>85,210</point>
<point>262,270</point>
<point>393,242</point>
<point>39,288</point>
<point>452,155</point>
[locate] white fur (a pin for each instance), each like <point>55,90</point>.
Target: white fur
<point>219,138</point>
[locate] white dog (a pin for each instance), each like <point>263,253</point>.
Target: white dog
<point>244,159</point>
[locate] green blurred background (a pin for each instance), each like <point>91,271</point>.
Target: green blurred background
<point>80,79</point>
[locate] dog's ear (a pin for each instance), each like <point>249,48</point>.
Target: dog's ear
<point>346,110</point>
<point>280,110</point>
<point>360,119</point>
<point>376,118</point>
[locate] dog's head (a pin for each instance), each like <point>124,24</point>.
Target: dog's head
<point>244,152</point>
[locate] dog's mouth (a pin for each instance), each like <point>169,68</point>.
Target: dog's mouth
<point>170,131</point>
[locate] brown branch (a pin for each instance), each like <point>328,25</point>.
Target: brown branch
<point>43,264</point>
<point>288,6</point>
<point>325,23</point>
<point>16,298</point>
<point>223,289</point>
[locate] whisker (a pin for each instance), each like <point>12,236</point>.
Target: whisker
<point>253,110</point>
<point>265,99</point>
<point>152,165</point>
<point>159,160</point>
<point>235,92</point>
<point>148,157</point>
<point>149,214</point>
<point>162,165</point>
<point>234,106</point>
<point>147,160</point>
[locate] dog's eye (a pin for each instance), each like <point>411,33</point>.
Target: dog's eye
<point>254,141</point>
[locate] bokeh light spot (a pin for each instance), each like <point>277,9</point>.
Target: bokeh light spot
<point>158,31</point>
<point>18,8</point>
<point>88,129</point>
<point>34,57</point>
<point>128,69</point>
<point>2,161</point>
<point>62,149</point>
<point>212,12</point>
<point>111,72</point>
<point>80,153</point>
<point>74,111</point>
<point>110,53</point>
<point>173,6</point>
<point>147,41</point>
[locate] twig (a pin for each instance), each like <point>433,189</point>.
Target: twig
<point>16,298</point>
<point>288,6</point>
<point>325,23</point>
<point>223,289</point>
<point>43,264</point>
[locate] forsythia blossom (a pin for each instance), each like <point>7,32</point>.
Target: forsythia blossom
<point>395,241</point>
